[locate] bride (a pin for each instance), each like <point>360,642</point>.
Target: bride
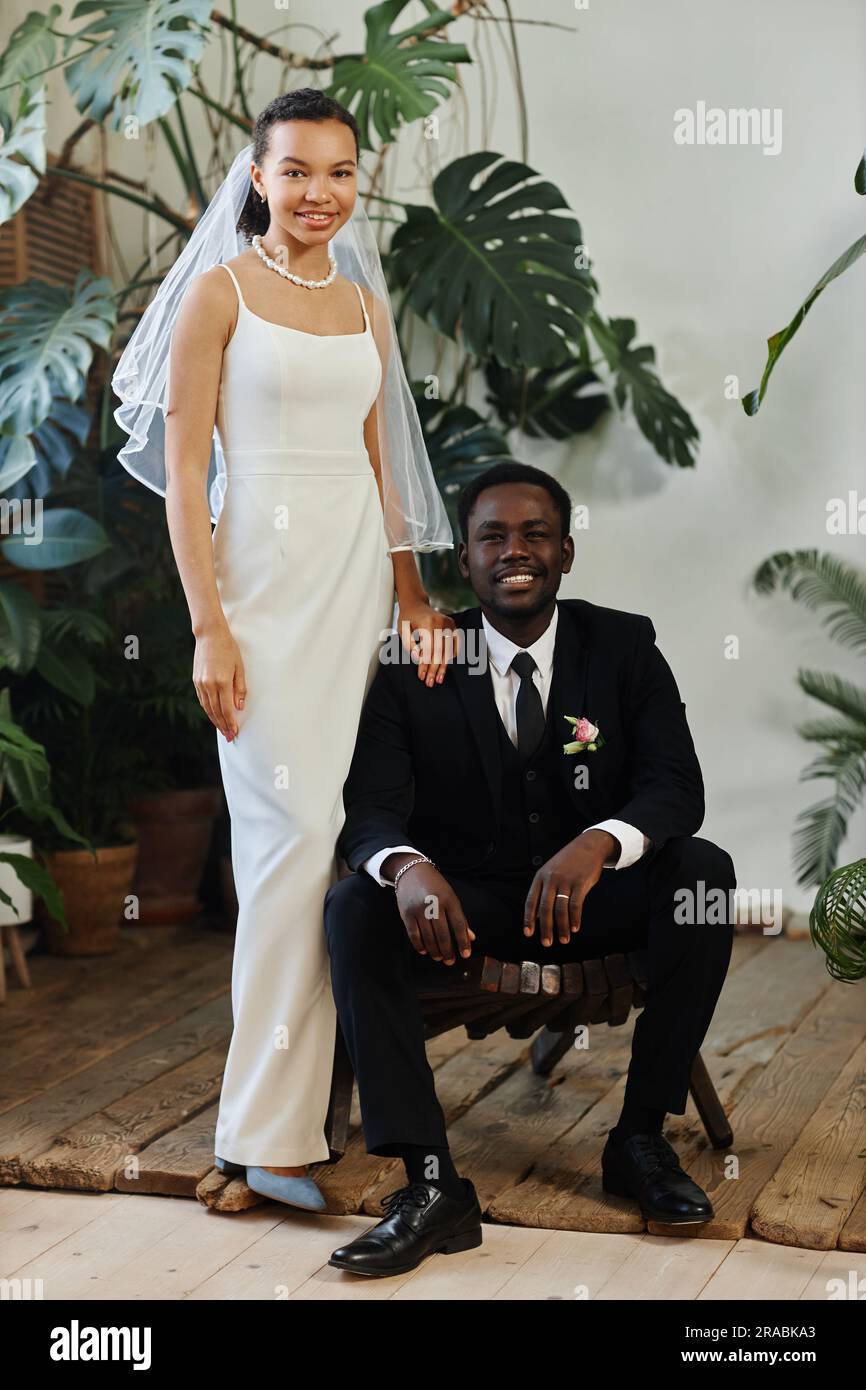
<point>264,387</point>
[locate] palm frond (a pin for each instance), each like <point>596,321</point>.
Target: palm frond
<point>838,731</point>
<point>818,834</point>
<point>819,581</point>
<point>835,691</point>
<point>847,769</point>
<point>822,828</point>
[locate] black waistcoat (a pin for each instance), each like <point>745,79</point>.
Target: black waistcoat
<point>538,817</point>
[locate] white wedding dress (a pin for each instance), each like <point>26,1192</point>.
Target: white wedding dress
<point>306,584</point>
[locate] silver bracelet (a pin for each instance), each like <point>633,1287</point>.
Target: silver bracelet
<point>422,859</point>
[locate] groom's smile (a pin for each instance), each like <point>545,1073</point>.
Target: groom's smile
<point>519,577</point>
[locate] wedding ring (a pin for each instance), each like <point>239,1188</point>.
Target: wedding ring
<point>563,895</point>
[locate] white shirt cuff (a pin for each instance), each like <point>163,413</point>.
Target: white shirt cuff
<point>633,842</point>
<point>375,862</point>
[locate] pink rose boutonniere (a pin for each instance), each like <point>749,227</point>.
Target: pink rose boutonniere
<point>586,735</point>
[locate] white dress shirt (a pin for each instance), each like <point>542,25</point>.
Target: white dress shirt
<point>506,683</point>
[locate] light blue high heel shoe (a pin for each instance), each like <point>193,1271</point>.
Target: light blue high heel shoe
<point>295,1192</point>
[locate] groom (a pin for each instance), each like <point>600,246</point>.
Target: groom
<point>469,828</point>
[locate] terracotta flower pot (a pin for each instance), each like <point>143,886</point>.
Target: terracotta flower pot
<point>174,833</point>
<point>93,891</point>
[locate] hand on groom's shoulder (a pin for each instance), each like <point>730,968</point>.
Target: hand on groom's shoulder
<point>396,664</point>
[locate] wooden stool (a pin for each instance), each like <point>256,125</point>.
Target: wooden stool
<point>485,994</point>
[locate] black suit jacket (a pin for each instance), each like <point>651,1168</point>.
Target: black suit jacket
<point>427,765</point>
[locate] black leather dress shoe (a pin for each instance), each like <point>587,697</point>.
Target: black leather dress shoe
<point>420,1221</point>
<point>647,1169</point>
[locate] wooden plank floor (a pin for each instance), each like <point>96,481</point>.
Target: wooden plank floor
<point>114,1246</point>
<point>113,1078</point>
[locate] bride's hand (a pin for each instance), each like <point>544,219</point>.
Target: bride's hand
<point>436,645</point>
<point>218,677</point>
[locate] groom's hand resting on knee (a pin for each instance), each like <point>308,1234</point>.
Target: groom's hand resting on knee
<point>431,911</point>
<point>557,892</point>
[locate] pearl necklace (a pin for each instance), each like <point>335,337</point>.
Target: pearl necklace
<point>287,274</point>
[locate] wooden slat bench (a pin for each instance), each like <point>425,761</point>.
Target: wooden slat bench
<point>524,997</point>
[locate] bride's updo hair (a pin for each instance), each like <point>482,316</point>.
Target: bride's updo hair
<point>306,104</point>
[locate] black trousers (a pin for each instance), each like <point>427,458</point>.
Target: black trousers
<point>376,972</point>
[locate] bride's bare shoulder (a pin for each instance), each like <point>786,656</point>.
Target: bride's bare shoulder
<point>211,302</point>
<point>215,283</point>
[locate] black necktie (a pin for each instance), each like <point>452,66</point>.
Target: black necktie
<point>530,711</point>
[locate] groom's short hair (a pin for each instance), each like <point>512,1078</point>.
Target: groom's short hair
<point>510,471</point>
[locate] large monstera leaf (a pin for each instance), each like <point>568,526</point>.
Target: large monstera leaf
<point>494,266</point>
<point>665,423</point>
<point>400,77</point>
<point>140,56</point>
<point>22,145</point>
<point>47,336</point>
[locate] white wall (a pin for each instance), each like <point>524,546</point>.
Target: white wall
<point>710,248</point>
